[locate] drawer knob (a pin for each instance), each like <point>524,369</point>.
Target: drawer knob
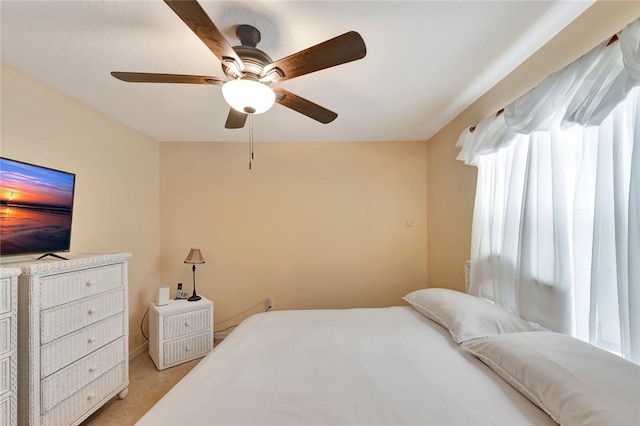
<point>91,339</point>
<point>91,311</point>
<point>187,348</point>
<point>91,396</point>
<point>89,283</point>
<point>92,368</point>
<point>187,324</point>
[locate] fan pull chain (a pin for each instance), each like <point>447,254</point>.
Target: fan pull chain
<point>250,140</point>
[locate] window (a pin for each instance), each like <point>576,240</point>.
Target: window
<point>556,225</point>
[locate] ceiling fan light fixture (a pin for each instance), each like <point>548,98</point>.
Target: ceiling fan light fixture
<point>248,96</point>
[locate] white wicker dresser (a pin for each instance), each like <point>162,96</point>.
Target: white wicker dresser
<point>8,345</point>
<point>73,337</point>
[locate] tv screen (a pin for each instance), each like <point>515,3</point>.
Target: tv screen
<point>36,205</point>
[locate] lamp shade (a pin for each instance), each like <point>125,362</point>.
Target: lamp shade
<point>248,96</point>
<point>194,256</point>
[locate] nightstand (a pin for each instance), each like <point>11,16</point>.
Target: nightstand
<point>180,331</point>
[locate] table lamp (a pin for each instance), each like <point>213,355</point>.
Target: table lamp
<point>193,258</point>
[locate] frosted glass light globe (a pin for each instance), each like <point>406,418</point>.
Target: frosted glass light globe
<point>248,96</point>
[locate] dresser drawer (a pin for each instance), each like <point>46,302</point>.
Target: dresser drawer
<point>65,382</point>
<point>5,375</point>
<point>5,295</point>
<point>5,335</point>
<point>186,323</point>
<point>70,348</point>
<point>5,411</point>
<point>90,396</point>
<point>181,350</point>
<point>67,287</point>
<point>64,319</point>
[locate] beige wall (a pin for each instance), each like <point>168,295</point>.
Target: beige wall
<point>117,196</point>
<point>313,225</point>
<point>451,185</point>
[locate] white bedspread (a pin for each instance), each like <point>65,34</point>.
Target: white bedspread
<point>378,366</point>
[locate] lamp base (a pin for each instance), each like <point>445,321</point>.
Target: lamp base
<point>194,298</point>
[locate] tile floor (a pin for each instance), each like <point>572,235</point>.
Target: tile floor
<point>146,386</point>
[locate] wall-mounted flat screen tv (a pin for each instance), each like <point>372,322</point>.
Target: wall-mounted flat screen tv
<point>36,206</point>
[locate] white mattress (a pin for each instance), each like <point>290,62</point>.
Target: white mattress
<point>377,366</point>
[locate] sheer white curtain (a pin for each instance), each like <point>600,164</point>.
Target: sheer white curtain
<point>556,225</point>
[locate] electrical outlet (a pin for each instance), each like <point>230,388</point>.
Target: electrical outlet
<point>269,304</point>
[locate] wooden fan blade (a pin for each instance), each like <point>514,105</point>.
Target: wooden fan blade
<point>303,106</point>
<point>144,77</point>
<point>339,50</point>
<point>235,119</point>
<point>197,19</point>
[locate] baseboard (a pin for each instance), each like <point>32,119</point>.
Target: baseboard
<point>137,351</point>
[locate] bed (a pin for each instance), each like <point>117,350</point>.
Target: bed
<point>426,363</point>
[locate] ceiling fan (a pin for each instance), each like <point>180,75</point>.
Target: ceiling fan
<point>250,71</point>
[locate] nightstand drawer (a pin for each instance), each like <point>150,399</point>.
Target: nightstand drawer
<point>67,287</point>
<point>181,350</point>
<point>65,382</point>
<point>186,323</point>
<point>64,319</point>
<point>72,347</point>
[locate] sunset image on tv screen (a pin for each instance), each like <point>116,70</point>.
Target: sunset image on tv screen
<point>36,205</point>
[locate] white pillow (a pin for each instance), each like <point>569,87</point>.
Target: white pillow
<point>466,317</point>
<point>574,382</point>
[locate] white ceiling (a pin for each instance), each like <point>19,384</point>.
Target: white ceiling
<point>426,61</point>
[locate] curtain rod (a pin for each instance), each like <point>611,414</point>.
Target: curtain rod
<point>472,128</point>
<point>612,40</point>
